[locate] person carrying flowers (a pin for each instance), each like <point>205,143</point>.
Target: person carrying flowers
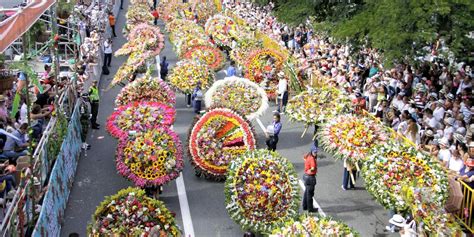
<point>309,177</point>
<point>272,132</point>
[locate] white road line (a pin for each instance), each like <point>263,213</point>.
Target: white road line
<point>184,206</point>
<point>315,203</point>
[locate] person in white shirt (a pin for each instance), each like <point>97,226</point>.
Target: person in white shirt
<point>444,154</point>
<point>430,120</point>
<point>282,92</point>
<point>402,128</point>
<point>107,52</point>
<point>397,102</point>
<point>449,129</point>
<point>438,113</point>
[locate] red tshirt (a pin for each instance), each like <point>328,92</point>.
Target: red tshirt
<point>310,162</point>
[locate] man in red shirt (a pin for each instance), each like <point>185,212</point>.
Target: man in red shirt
<point>310,170</point>
<point>155,14</point>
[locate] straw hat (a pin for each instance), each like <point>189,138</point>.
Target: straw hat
<point>458,137</point>
<point>397,220</point>
<point>429,133</point>
<point>444,142</point>
<point>471,144</point>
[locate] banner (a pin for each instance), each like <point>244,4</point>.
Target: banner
<point>62,177</point>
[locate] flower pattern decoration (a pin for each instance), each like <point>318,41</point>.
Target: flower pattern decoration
<point>146,88</point>
<point>262,191</point>
<point>216,138</point>
<point>186,74</point>
<point>208,55</point>
<point>152,157</point>
<point>314,226</point>
<point>131,213</point>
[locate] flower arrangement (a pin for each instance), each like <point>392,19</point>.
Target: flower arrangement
<point>262,191</point>
<point>143,37</point>
<point>171,10</point>
<point>392,165</point>
<point>208,55</point>
<point>186,74</point>
<point>264,64</point>
<point>433,218</point>
<point>351,137</point>
<point>139,116</point>
<point>188,41</point>
<point>146,88</point>
<point>152,157</point>
<point>131,213</point>
<point>314,226</point>
<point>316,105</point>
<point>238,94</point>
<point>244,47</point>
<point>138,13</point>
<point>216,138</point>
<point>222,29</point>
<point>136,62</point>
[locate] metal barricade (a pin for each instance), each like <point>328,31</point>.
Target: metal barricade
<point>464,215</point>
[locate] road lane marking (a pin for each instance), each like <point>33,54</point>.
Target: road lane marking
<point>184,206</point>
<point>315,203</point>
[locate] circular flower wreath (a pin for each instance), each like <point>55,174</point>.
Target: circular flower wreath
<point>263,61</point>
<point>208,55</point>
<point>238,94</point>
<point>244,47</point>
<point>216,138</point>
<point>262,191</point>
<point>390,166</point>
<point>316,105</point>
<point>131,213</point>
<point>143,37</point>
<point>186,74</point>
<point>315,226</point>
<point>222,29</point>
<point>351,137</point>
<point>146,88</point>
<point>138,13</point>
<point>152,157</point>
<point>139,116</point>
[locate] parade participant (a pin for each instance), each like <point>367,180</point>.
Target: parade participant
<point>94,100</point>
<point>197,98</point>
<point>272,132</point>
<point>309,177</point>
<point>347,179</point>
<point>164,68</point>
<point>282,92</point>
<point>231,69</point>
<point>107,52</point>
<point>112,23</point>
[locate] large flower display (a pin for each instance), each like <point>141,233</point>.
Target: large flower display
<point>262,191</point>
<point>351,137</point>
<point>238,94</point>
<point>392,165</point>
<point>263,65</point>
<point>146,88</point>
<point>186,75</point>
<point>216,138</point>
<point>208,55</point>
<point>131,213</point>
<point>138,13</point>
<point>315,226</point>
<point>152,157</point>
<point>143,37</point>
<point>316,105</point>
<point>244,47</point>
<point>222,29</point>
<point>139,116</point>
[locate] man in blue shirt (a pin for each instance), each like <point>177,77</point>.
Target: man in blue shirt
<point>272,139</point>
<point>231,69</point>
<point>16,147</point>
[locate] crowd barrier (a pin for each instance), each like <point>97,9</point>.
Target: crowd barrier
<point>61,179</point>
<point>464,214</point>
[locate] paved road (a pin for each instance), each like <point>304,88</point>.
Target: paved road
<point>96,175</point>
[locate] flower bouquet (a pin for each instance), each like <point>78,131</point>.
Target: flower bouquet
<point>262,191</point>
<point>138,13</point>
<point>262,63</point>
<point>136,62</point>
<point>351,137</point>
<point>222,29</point>
<point>146,88</point>
<point>208,55</point>
<point>152,157</point>
<point>432,219</point>
<point>216,138</point>
<point>244,47</point>
<point>186,75</point>
<point>139,116</point>
<point>314,226</point>
<point>317,105</point>
<point>187,41</point>
<point>391,165</point>
<point>143,37</point>
<point>131,213</point>
<point>238,94</point>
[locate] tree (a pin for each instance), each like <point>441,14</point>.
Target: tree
<point>402,28</point>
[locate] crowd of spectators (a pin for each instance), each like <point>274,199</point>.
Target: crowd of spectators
<point>430,103</point>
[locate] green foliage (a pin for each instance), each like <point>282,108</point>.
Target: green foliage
<point>402,27</point>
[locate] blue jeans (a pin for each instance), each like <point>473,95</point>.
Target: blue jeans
<point>347,181</point>
<point>15,154</point>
